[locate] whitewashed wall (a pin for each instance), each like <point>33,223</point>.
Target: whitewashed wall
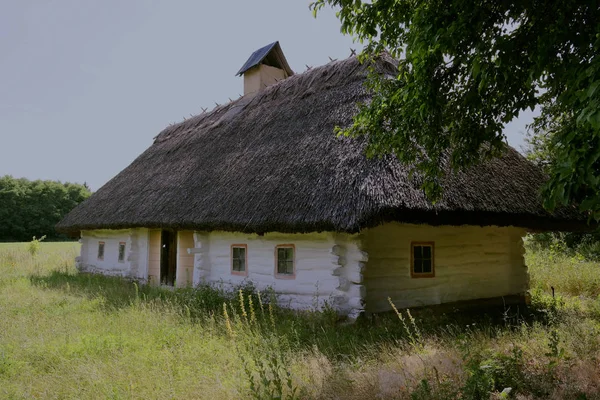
<point>350,272</point>
<point>327,267</point>
<point>470,263</point>
<point>135,263</point>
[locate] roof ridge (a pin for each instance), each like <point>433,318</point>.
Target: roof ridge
<point>169,131</point>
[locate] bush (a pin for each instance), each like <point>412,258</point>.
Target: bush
<point>586,245</point>
<point>34,246</point>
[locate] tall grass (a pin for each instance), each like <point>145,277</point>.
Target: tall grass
<point>70,335</point>
<point>568,274</point>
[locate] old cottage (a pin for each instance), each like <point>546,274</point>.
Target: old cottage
<point>261,189</point>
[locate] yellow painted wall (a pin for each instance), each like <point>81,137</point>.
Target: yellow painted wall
<point>470,263</point>
<point>185,261</point>
<point>261,76</point>
<point>154,256</point>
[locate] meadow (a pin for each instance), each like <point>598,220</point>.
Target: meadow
<point>65,335</point>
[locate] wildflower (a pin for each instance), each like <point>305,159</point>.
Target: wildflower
<point>252,315</point>
<point>227,321</point>
<point>262,311</point>
<point>242,306</point>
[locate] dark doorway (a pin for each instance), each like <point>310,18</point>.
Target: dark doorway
<point>168,257</point>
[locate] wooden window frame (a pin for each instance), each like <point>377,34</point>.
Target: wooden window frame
<point>239,273</point>
<point>285,276</point>
<point>103,244</point>
<point>414,274</point>
<point>119,252</point>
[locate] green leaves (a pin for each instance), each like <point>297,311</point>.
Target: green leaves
<point>468,68</point>
<point>592,89</point>
<point>475,68</point>
<point>32,208</point>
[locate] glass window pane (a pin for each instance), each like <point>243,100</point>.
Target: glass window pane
<point>418,267</point>
<point>242,259</point>
<point>238,259</point>
<point>418,251</point>
<point>427,252</point>
<point>427,266</point>
<point>121,252</point>
<point>285,260</point>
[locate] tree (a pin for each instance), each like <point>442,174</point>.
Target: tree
<point>32,208</point>
<point>466,68</point>
<point>540,151</point>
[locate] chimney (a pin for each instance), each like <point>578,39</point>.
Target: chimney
<point>265,67</point>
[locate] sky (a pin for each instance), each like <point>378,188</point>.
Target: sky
<point>86,85</point>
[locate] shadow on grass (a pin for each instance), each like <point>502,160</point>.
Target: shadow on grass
<point>115,292</point>
<point>304,329</point>
<point>118,292</point>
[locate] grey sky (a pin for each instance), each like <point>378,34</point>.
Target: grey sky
<point>86,85</point>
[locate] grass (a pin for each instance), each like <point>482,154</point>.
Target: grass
<point>570,275</point>
<point>66,335</point>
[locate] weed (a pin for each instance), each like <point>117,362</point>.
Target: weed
<point>64,334</point>
<point>34,246</point>
<point>263,354</point>
<point>412,332</point>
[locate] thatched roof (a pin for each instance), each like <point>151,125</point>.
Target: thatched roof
<point>271,162</point>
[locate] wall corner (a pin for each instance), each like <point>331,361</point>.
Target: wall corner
<point>201,257</point>
<point>350,261</point>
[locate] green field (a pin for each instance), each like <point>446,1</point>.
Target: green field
<point>66,335</point>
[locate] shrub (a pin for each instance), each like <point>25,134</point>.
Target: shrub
<point>34,246</point>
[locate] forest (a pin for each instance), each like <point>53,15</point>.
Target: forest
<point>33,208</point>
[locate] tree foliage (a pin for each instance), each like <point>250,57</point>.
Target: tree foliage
<point>537,149</point>
<point>33,208</point>
<point>466,68</point>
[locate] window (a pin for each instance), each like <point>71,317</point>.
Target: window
<point>422,260</point>
<point>239,258</point>
<point>121,251</point>
<point>285,261</point>
<point>100,250</point>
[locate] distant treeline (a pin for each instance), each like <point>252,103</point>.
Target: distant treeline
<point>33,208</point>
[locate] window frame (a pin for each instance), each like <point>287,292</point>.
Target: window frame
<point>281,275</point>
<point>240,273</point>
<point>103,245</point>
<point>414,274</point>
<point>119,252</point>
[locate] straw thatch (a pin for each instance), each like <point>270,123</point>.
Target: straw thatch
<point>271,162</point>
